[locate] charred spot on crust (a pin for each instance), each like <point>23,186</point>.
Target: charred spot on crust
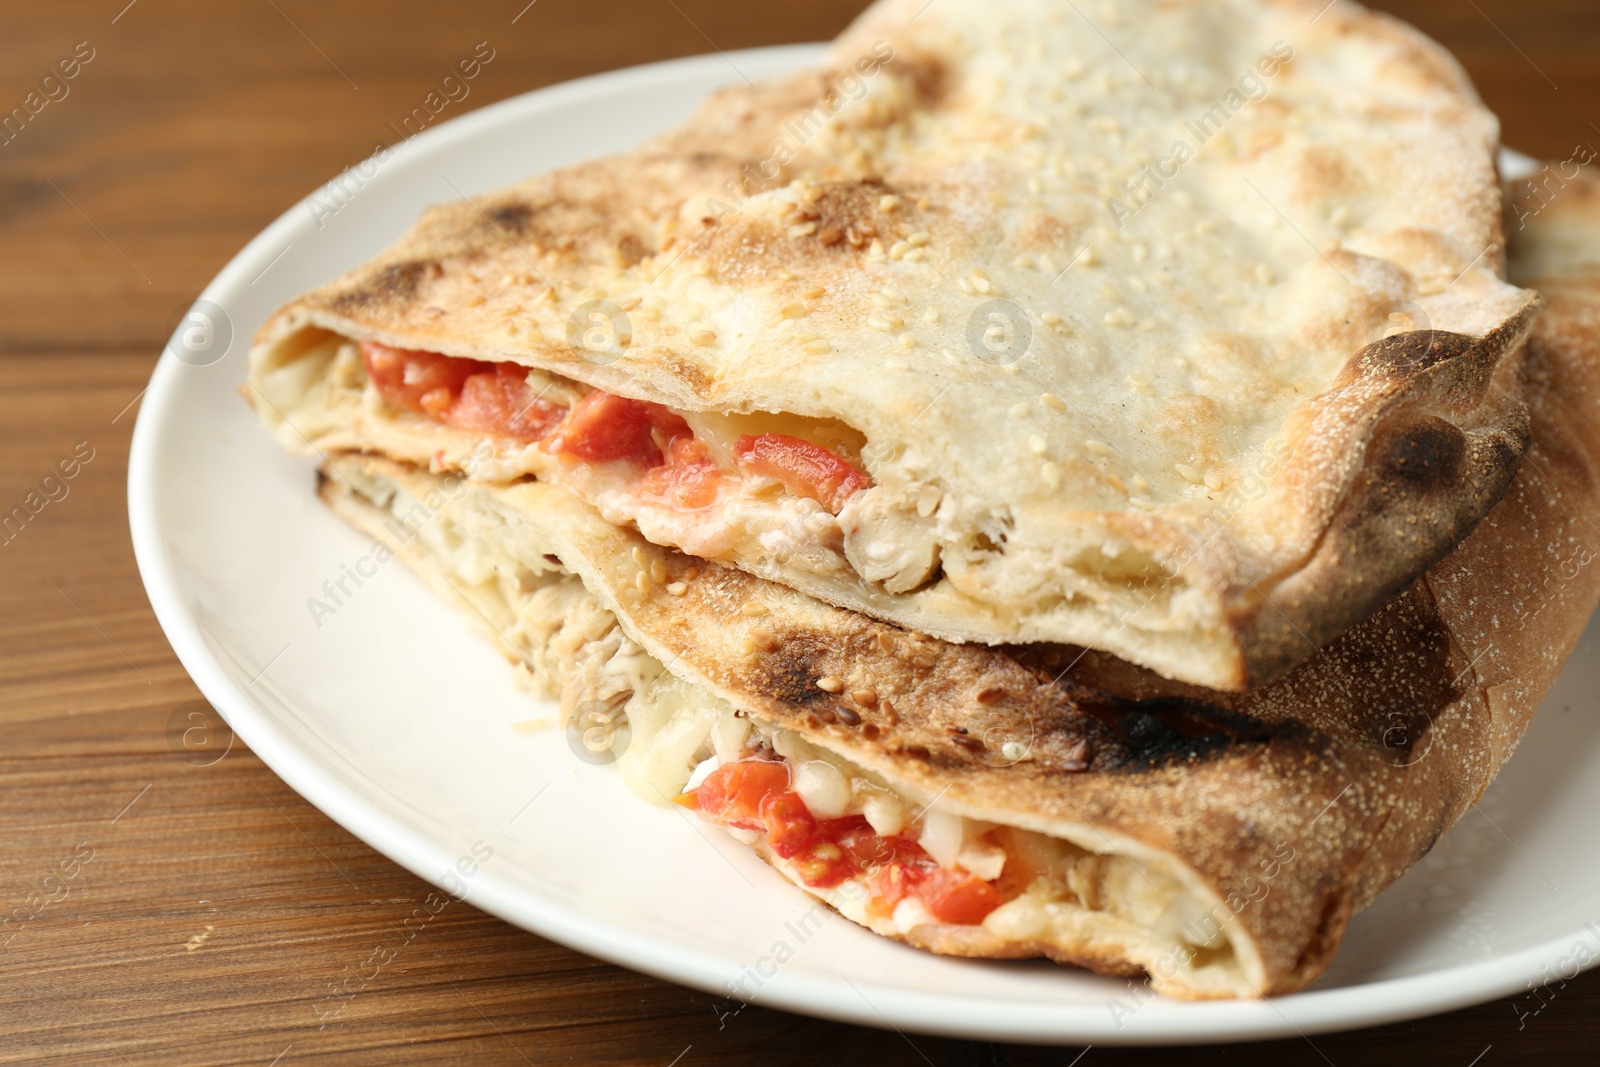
<point>395,284</point>
<point>1425,452</point>
<point>789,673</point>
<point>1135,735</point>
<point>514,218</point>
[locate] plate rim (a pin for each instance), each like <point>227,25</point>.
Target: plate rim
<point>1315,1011</point>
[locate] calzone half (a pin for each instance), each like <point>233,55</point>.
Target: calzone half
<point>1048,801</point>
<point>1172,329</point>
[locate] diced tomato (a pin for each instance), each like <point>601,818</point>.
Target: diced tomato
<point>823,865</point>
<point>791,828</point>
<point>804,469</point>
<point>886,888</point>
<point>754,794</point>
<point>413,380</point>
<point>504,404</point>
<point>604,426</point>
<point>689,477</point>
<point>484,397</point>
<point>956,896</point>
<point>733,792</point>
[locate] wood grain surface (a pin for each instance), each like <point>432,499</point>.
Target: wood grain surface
<point>174,908</point>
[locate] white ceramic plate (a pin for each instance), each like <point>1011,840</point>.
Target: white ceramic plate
<point>394,719</point>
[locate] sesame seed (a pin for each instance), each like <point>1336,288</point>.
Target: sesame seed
<point>1116,483</point>
<point>898,249</point>
<point>1037,444</point>
<point>918,239</point>
<point>747,647</point>
<point>1119,317</point>
<point>907,341</point>
<point>819,347</point>
<point>794,311</point>
<point>804,229</point>
<point>1050,318</point>
<point>891,293</point>
<point>830,684</point>
<point>641,582</point>
<point>930,314</point>
<point>1213,481</point>
<point>658,570</point>
<point>1107,292</point>
<point>763,638</point>
<point>477,300</point>
<point>804,337</point>
<point>677,588</point>
<point>885,642</point>
<point>638,556</point>
<point>751,607</point>
<point>1140,482</point>
<point>1053,402</point>
<point>1189,473</point>
<point>813,293</point>
<point>888,202</point>
<point>703,338</point>
<point>1099,448</point>
<point>878,322</point>
<point>1051,475</point>
<point>879,300</point>
<point>1018,411</point>
<point>865,697</point>
<point>983,285</point>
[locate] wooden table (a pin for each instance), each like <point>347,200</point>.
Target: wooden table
<point>208,907</point>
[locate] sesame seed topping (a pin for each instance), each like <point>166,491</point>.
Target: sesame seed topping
<point>764,639</point>
<point>794,311</point>
<point>907,341</point>
<point>885,642</point>
<point>867,698</point>
<point>804,229</point>
<point>678,588</point>
<point>1099,448</point>
<point>1051,475</point>
<point>891,293</point>
<point>830,684</point>
<point>1050,318</point>
<point>1037,444</point>
<point>1053,402</point>
<point>813,293</point>
<point>819,347</point>
<point>918,239</point>
<point>1213,481</point>
<point>751,607</point>
<point>888,202</point>
<point>1189,473</point>
<point>1018,411</point>
<point>747,647</point>
<point>930,313</point>
<point>878,322</point>
<point>703,338</point>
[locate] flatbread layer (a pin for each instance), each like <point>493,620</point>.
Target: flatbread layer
<point>1219,842</point>
<point>1176,330</point>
